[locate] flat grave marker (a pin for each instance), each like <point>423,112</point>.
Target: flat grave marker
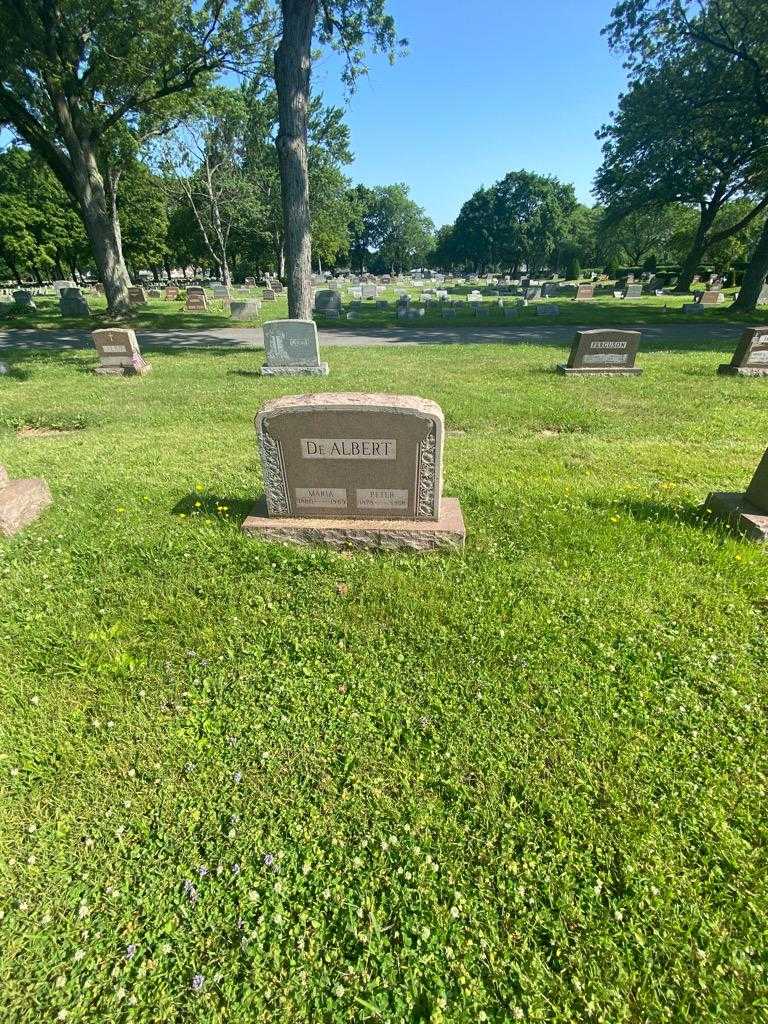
<point>21,502</point>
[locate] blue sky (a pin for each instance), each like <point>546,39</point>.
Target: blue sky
<point>488,87</point>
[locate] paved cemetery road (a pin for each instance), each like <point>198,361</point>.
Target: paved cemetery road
<point>678,334</point>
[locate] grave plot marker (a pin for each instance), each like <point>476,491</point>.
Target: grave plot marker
<point>136,296</point>
<point>292,349</point>
<point>119,353</point>
<point>745,511</point>
<point>196,298</point>
<point>603,352</point>
<point>751,356</point>
<point>21,502</point>
<point>355,470</point>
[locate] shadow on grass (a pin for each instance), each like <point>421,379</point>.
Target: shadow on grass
<point>245,373</point>
<point>650,511</point>
<point>230,510</point>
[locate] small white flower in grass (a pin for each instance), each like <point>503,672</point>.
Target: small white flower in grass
<point>518,1013</point>
<point>121,993</point>
<point>83,910</point>
<point>79,954</point>
<point>130,950</point>
<point>31,828</point>
<point>237,777</point>
<point>339,991</point>
<point>23,906</point>
<point>31,859</point>
<point>197,983</point>
<point>454,912</point>
<point>61,981</point>
<point>62,1015</point>
<point>482,1015</point>
<point>110,724</point>
<point>34,700</point>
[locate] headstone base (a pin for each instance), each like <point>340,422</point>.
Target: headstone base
<point>321,370</point>
<point>123,371</point>
<point>445,534</point>
<point>739,513</point>
<point>600,371</point>
<point>21,502</point>
<point>742,371</point>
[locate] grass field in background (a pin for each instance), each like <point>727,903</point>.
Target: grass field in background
<point>604,310</point>
<point>244,782</point>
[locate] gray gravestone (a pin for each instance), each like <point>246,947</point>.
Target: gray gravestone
<point>327,301</point>
<point>585,291</point>
<point>292,349</point>
<point>633,291</point>
<point>746,511</point>
<point>221,292</point>
<point>268,295</point>
<point>355,470</point>
<point>248,309</point>
<point>72,303</point>
<point>548,309</point>
<point>23,299</point>
<point>603,352</point>
<point>136,296</point>
<point>119,353</point>
<point>171,293</point>
<point>532,292</point>
<point>712,298</point>
<point>751,356</point>
<point>763,297</point>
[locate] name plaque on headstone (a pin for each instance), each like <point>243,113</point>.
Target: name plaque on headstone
<point>751,356</point>
<point>603,352</point>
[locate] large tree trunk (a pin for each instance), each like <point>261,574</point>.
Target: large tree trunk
<point>696,252</point>
<point>103,229</point>
<point>293,62</point>
<point>754,276</point>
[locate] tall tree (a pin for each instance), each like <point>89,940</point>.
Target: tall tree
<point>83,82</point>
<point>346,25</point>
<point>678,137</point>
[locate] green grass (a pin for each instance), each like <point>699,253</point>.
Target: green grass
<point>527,783</point>
<point>159,315</point>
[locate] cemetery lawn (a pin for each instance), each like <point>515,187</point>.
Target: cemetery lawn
<point>251,783</point>
<point>158,315</point>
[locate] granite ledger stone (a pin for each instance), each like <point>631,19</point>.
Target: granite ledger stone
<point>355,469</point>
<point>292,349</point>
<point>751,356</point>
<point>747,511</point>
<point>603,352</point>
<point>21,502</point>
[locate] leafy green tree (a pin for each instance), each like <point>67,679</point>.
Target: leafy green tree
<point>143,208</point>
<point>391,232</point>
<point>652,232</point>
<point>84,82</point>
<point>677,137</point>
<point>40,233</point>
<point>345,25</point>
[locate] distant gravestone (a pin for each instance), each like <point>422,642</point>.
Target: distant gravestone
<point>746,511</point>
<point>585,291</point>
<point>268,295</point>
<point>532,292</point>
<point>633,291</point>
<point>327,300</point>
<point>154,293</point>
<point>712,298</point>
<point>23,299</point>
<point>292,349</point>
<point>136,296</point>
<point>763,297</point>
<point>250,281</point>
<point>550,290</point>
<point>119,353</point>
<point>171,293</point>
<point>368,291</point>
<point>360,470</point>
<point>751,356</point>
<point>21,502</point>
<point>277,287</point>
<point>221,292</point>
<point>59,286</point>
<point>548,309</point>
<point>603,352</point>
<point>196,298</point>
<point>247,309</point>
<point>72,303</point>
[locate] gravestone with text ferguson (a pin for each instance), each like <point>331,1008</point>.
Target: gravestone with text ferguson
<point>746,511</point>
<point>603,352</point>
<point>119,353</point>
<point>751,356</point>
<point>21,502</point>
<point>196,298</point>
<point>292,349</point>
<point>360,470</point>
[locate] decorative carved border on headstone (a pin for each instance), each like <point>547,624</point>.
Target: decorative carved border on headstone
<point>427,501</point>
<point>273,466</point>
